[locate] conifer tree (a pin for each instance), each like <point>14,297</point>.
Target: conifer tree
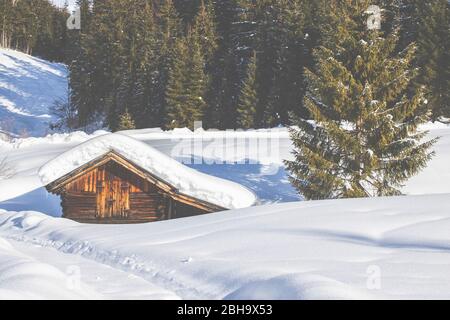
<point>145,65</point>
<point>364,139</point>
<point>125,54</point>
<point>34,27</point>
<point>135,78</point>
<point>168,31</point>
<point>433,58</point>
<point>205,29</point>
<point>187,84</point>
<point>276,29</point>
<point>224,74</point>
<point>248,100</point>
<point>175,86</point>
<point>6,15</point>
<point>195,81</point>
<point>80,62</point>
<point>126,122</point>
<point>284,81</point>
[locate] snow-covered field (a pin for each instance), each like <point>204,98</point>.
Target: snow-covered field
<point>376,248</point>
<point>367,248</point>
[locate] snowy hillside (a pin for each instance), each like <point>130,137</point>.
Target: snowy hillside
<point>28,87</point>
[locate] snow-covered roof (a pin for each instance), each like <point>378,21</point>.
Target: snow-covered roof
<point>188,181</point>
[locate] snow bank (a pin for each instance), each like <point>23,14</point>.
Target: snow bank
<point>299,287</point>
<point>385,248</point>
<point>41,272</point>
<point>186,133</point>
<point>221,192</point>
<point>56,138</point>
<point>21,277</point>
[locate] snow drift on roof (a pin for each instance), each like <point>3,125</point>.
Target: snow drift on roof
<point>188,181</point>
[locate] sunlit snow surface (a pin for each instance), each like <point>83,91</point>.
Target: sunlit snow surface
<point>350,249</point>
<point>28,88</point>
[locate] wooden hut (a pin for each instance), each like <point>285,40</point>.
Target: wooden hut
<point>111,188</point>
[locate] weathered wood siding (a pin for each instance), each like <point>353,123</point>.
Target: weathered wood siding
<point>112,194</point>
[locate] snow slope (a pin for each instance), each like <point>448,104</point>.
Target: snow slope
<point>347,249</point>
<point>28,87</point>
<point>22,277</point>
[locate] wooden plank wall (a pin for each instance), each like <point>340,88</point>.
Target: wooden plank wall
<point>113,192</point>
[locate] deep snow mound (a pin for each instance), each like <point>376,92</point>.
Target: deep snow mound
<point>380,248</point>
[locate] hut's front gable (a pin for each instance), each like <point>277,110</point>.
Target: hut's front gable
<point>112,192</point>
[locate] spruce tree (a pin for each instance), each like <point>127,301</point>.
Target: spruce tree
<point>135,77</point>
<point>433,58</point>
<point>248,100</point>
<point>226,70</point>
<point>205,33</point>
<point>34,27</point>
<point>80,62</point>
<point>175,86</point>
<point>205,30</point>
<point>145,67</point>
<point>363,139</point>
<point>276,29</point>
<point>168,31</point>
<point>195,81</point>
<point>126,122</point>
<point>284,42</point>
<point>187,84</point>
